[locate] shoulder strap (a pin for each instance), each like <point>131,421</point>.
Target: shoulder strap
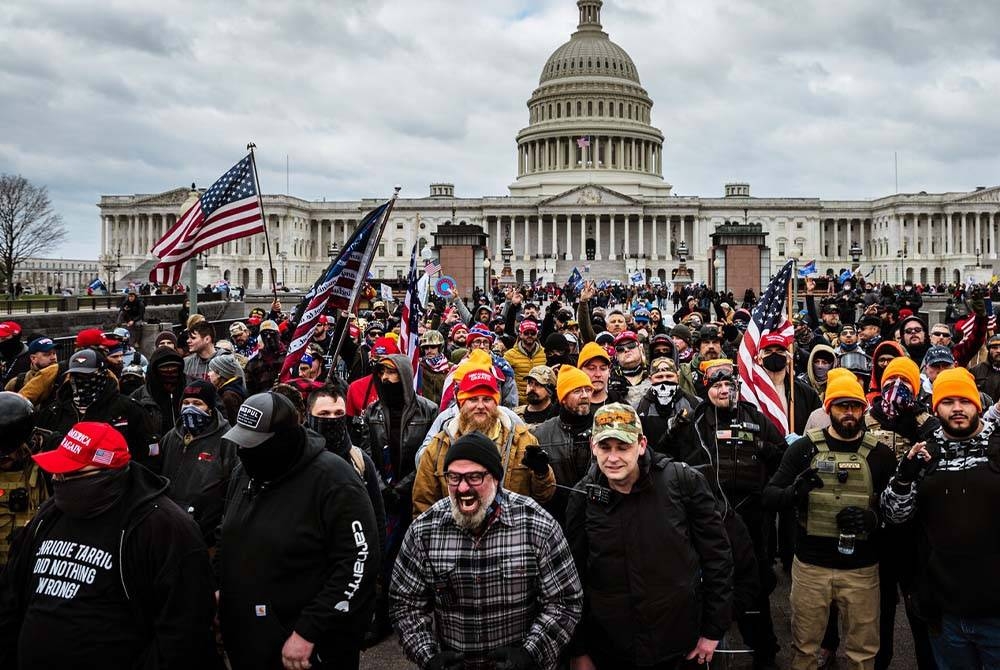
<point>818,439</point>
<point>868,443</point>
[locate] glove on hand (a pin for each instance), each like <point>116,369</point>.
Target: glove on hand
<point>512,658</point>
<point>856,520</point>
<point>806,482</point>
<point>910,468</point>
<point>446,660</point>
<point>536,459</point>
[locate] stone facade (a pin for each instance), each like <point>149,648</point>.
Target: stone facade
<point>589,192</point>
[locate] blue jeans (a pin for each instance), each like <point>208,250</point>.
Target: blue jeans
<point>966,643</point>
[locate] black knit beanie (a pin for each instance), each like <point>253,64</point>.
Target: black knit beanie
<point>477,448</point>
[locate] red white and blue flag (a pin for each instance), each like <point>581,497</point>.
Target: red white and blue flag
<point>409,322</point>
<point>228,210</point>
<point>338,286</point>
<point>432,267</point>
<point>768,316</point>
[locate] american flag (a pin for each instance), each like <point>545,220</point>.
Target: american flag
<point>409,323</point>
<point>338,286</point>
<point>583,142</point>
<point>767,316</point>
<point>229,210</point>
<point>432,267</point>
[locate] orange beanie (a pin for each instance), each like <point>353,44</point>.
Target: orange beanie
<point>955,382</point>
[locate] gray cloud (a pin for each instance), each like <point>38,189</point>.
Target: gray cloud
<point>798,97</point>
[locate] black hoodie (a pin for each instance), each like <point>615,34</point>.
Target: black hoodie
<point>300,553</point>
<point>162,407</point>
<point>135,591</point>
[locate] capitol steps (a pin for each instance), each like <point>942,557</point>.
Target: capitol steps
<point>592,270</point>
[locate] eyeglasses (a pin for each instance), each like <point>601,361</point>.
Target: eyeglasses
<point>913,331</point>
<point>470,478</point>
<point>627,346</point>
<point>940,334</point>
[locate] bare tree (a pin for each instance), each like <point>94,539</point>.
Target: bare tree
<point>28,226</point>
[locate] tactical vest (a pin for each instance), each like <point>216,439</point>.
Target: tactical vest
<point>741,469</point>
<point>900,445</point>
<point>22,492</point>
<point>847,482</point>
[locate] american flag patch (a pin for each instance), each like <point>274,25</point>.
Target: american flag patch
<point>103,456</point>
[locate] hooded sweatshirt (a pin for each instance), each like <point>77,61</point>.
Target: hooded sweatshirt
<point>162,407</point>
<point>141,585</point>
<point>875,384</point>
<point>818,386</point>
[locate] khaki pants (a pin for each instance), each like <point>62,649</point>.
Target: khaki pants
<point>857,596</point>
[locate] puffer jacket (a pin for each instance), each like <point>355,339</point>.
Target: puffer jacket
<point>522,363</point>
<point>646,606</point>
<point>418,415</point>
<point>514,439</point>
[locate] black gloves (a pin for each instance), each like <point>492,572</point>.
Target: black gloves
<point>446,660</point>
<point>536,459</point>
<point>910,468</point>
<point>512,658</point>
<point>804,483</point>
<point>856,520</point>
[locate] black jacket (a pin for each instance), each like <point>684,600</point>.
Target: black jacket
<point>164,569</point>
<point>643,604</point>
<point>418,415</point>
<point>199,472</point>
<point>300,553</point>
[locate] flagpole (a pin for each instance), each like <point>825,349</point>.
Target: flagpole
<point>793,300</point>
<point>362,278</point>
<point>260,201</point>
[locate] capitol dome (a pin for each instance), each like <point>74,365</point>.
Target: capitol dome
<point>589,120</point>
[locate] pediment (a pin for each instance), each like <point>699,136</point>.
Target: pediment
<point>990,196</point>
<point>589,194</point>
<point>175,196</point>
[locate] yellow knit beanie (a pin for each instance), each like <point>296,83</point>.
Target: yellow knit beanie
<point>569,379</point>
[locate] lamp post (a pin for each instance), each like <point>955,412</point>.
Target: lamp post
<point>855,252</point>
<point>333,250</point>
<point>283,255</point>
<point>901,255</point>
<point>978,254</point>
<point>486,276</point>
<point>682,251</point>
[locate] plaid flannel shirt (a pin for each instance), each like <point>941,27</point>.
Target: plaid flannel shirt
<point>514,586</point>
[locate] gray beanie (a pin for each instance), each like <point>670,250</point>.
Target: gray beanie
<point>226,366</point>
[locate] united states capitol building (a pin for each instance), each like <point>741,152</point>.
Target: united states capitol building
<point>589,191</point>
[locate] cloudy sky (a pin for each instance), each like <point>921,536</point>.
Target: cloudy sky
<point>798,97</point>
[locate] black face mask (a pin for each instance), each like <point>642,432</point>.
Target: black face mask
<point>391,394</point>
<point>91,495</point>
<point>775,362</point>
<point>195,420</point>
<point>86,389</point>
<point>271,458</point>
<point>270,340</point>
<point>333,430</point>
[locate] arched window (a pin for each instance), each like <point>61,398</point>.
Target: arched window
<point>579,108</point>
<point>590,108</point>
<point>600,108</point>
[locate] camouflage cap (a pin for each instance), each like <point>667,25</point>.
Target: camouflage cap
<point>618,421</point>
<point>542,374</point>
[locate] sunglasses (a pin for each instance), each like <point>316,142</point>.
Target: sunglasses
<point>940,334</point>
<point>913,331</point>
<point>627,346</point>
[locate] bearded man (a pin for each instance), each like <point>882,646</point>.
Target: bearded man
<point>512,595</point>
<point>478,410</point>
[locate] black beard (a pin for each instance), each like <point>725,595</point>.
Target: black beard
<point>961,433</point>
<point>843,431</point>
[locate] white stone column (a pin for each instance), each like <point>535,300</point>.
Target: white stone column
<point>929,240</point>
<point>835,250</point>
<point>612,252</point>
<point>621,154</point>
<point>628,246</point>
<point>654,252</point>
<point>963,241</point>
<point>569,237</point>
<point>583,237</point>
<point>642,234</point>
<point>979,233</point>
<point>597,238</point>
<point>555,237</point>
<point>993,236</point>
<point>947,233</point>
<point>527,230</point>
<point>539,232</point>
<point>509,221</point>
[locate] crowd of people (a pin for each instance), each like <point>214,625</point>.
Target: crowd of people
<point>563,479</point>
